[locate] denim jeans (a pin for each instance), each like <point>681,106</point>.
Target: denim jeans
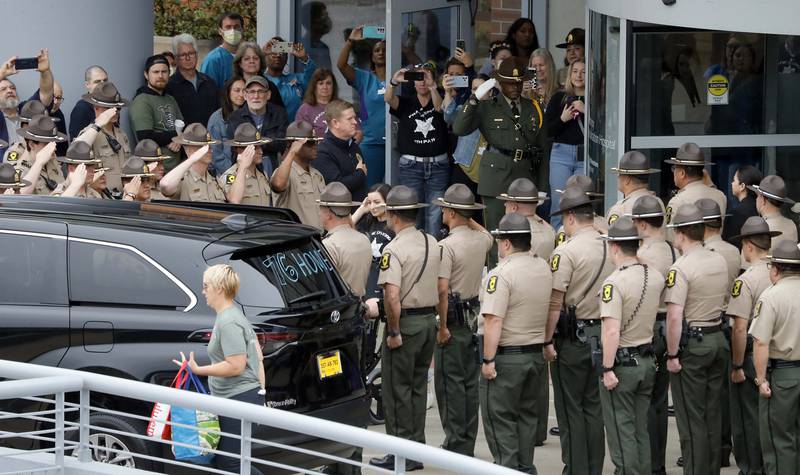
<point>234,426</point>
<point>429,179</point>
<point>375,159</point>
<point>563,164</point>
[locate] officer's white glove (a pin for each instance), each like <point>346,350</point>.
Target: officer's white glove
<point>484,89</point>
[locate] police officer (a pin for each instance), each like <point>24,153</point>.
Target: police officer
<point>629,301</point>
<point>511,126</point>
<point>350,250</point>
<point>634,172</point>
<point>523,198</point>
<point>78,181</point>
<point>37,135</point>
<point>190,180</point>
<point>659,255</point>
<point>244,183</point>
<point>687,174</point>
<point>579,267</point>
<point>109,142</point>
<point>409,273</point>
<point>136,180</point>
<point>696,288</point>
<point>463,254</point>
<point>756,240</point>
<point>776,353</point>
<point>587,185</point>
<point>11,180</point>
<point>770,196</point>
<point>149,151</point>
<point>513,322</point>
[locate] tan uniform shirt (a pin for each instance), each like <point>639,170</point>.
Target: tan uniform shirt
<point>574,265</point>
<point>195,187</point>
<point>625,205</point>
<point>155,194</point>
<point>400,265</point>
<point>746,290</point>
<point>733,258</point>
<point>690,194</point>
<point>657,253</point>
<point>507,293</point>
<point>600,225</point>
<point>463,253</point>
<point>542,237</point>
<point>775,319</point>
<point>351,253</point>
<point>699,282</point>
<point>632,299</point>
<point>301,194</point>
<point>779,222</point>
<point>87,192</point>
<point>111,159</point>
<point>256,188</point>
<point>23,161</point>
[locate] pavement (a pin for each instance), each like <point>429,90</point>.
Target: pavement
<point>546,458</point>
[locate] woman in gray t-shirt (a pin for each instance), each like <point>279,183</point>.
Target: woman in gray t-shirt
<point>237,366</point>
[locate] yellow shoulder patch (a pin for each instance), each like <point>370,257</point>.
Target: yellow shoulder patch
<point>560,237</point>
<point>736,290</point>
<point>491,286</point>
<point>612,218</point>
<point>668,217</point>
<point>230,178</point>
<point>757,310</point>
<point>608,293</point>
<point>13,156</point>
<point>385,258</point>
<point>554,261</point>
<point>671,278</point>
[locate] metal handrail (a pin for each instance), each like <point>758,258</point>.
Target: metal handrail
<point>29,380</point>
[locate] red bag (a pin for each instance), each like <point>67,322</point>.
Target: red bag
<point>158,428</point>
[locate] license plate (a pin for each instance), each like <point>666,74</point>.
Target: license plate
<point>329,365</point>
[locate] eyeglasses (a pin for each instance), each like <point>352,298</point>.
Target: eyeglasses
<point>188,55</point>
<point>257,92</point>
<point>58,98</point>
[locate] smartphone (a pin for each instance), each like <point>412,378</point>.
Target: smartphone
<point>459,81</point>
<point>461,44</point>
<point>282,47</point>
<point>374,32</point>
<point>26,63</point>
<point>414,76</point>
<point>534,77</point>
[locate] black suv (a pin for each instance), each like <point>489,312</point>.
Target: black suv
<point>114,287</point>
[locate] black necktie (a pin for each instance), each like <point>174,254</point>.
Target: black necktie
<point>515,110</point>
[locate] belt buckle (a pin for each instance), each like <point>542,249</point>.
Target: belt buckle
<point>518,155</point>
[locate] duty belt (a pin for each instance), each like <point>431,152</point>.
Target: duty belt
<point>589,322</point>
<point>516,154</point>
<point>779,364</point>
<point>469,304</point>
<point>518,350</point>
<point>413,312</point>
<point>627,356</point>
<point>699,332</point>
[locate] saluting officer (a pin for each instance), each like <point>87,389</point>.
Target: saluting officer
<point>17,151</point>
<point>629,301</point>
<point>511,126</point>
<point>513,323</point>
<point>696,288</point>
<point>78,153</point>
<point>770,196</point>
<point>190,180</point>
<point>776,353</point>
<point>587,185</point>
<point>11,180</point>
<point>579,267</point>
<point>463,254</point>
<point>756,240</point>
<point>634,172</point>
<point>523,198</point>
<point>149,151</point>
<point>350,250</point>
<point>409,273</point>
<point>46,173</point>
<point>687,174</point>
<point>243,182</point>
<point>658,254</point>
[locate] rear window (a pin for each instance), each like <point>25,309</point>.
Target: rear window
<point>296,275</point>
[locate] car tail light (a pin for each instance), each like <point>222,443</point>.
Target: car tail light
<point>200,336</point>
<point>273,341</point>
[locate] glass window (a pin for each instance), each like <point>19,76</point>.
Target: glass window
<point>34,270</point>
<point>427,36</point>
<point>105,274</point>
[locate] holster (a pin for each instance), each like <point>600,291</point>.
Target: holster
<point>381,311</point>
<point>477,340</point>
<point>566,327</point>
<point>684,334</point>
<point>596,348</point>
<point>726,326</point>
<point>455,309</point>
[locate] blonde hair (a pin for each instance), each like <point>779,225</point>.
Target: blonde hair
<point>569,88</point>
<point>335,108</point>
<point>223,278</point>
<point>552,80</point>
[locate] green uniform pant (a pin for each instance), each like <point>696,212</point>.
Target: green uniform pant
<point>543,406</point>
<point>492,214</point>
<point>404,375</point>
<point>744,422</point>
<point>509,409</point>
<point>657,415</point>
<point>456,374</point>
<point>780,423</point>
<point>625,417</point>
<point>696,392</point>
<point>577,401</point>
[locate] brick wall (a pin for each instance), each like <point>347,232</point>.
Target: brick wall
<point>492,22</point>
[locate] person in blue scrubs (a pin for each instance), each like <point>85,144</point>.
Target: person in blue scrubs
<point>292,86</point>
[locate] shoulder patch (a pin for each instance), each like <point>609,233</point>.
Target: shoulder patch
<point>554,261</point>
<point>13,156</point>
<point>491,286</point>
<point>608,293</point>
<point>560,237</point>
<point>668,217</point>
<point>671,278</point>
<point>385,259</point>
<point>612,218</point>
<point>736,290</point>
<point>441,252</point>
<point>230,178</point>
<point>757,310</point>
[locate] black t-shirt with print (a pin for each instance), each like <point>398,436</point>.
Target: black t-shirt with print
<point>379,236</point>
<point>421,131</point>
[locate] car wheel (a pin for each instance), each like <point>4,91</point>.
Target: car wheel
<point>376,415</point>
<point>105,445</point>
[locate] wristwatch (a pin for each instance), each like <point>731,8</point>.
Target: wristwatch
<point>673,357</point>
<point>607,369</point>
<point>392,333</point>
<point>547,343</point>
<point>95,127</point>
<point>758,382</point>
<point>737,367</point>
<point>392,83</point>
<point>132,195</point>
<point>488,360</point>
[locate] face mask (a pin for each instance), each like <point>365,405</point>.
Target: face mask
<point>232,37</point>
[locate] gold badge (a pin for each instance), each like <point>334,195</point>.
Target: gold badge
<point>208,136</point>
<point>13,156</point>
<point>491,286</point>
<point>258,135</point>
<point>145,169</point>
<point>569,38</point>
<point>608,292</point>
<point>757,310</point>
<point>612,218</point>
<point>515,72</point>
<point>736,290</point>
<point>560,237</point>
<point>671,278</point>
<point>556,259</point>
<point>230,178</point>
<point>17,176</point>
<point>385,260</point>
<point>158,151</point>
<point>669,214</point>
